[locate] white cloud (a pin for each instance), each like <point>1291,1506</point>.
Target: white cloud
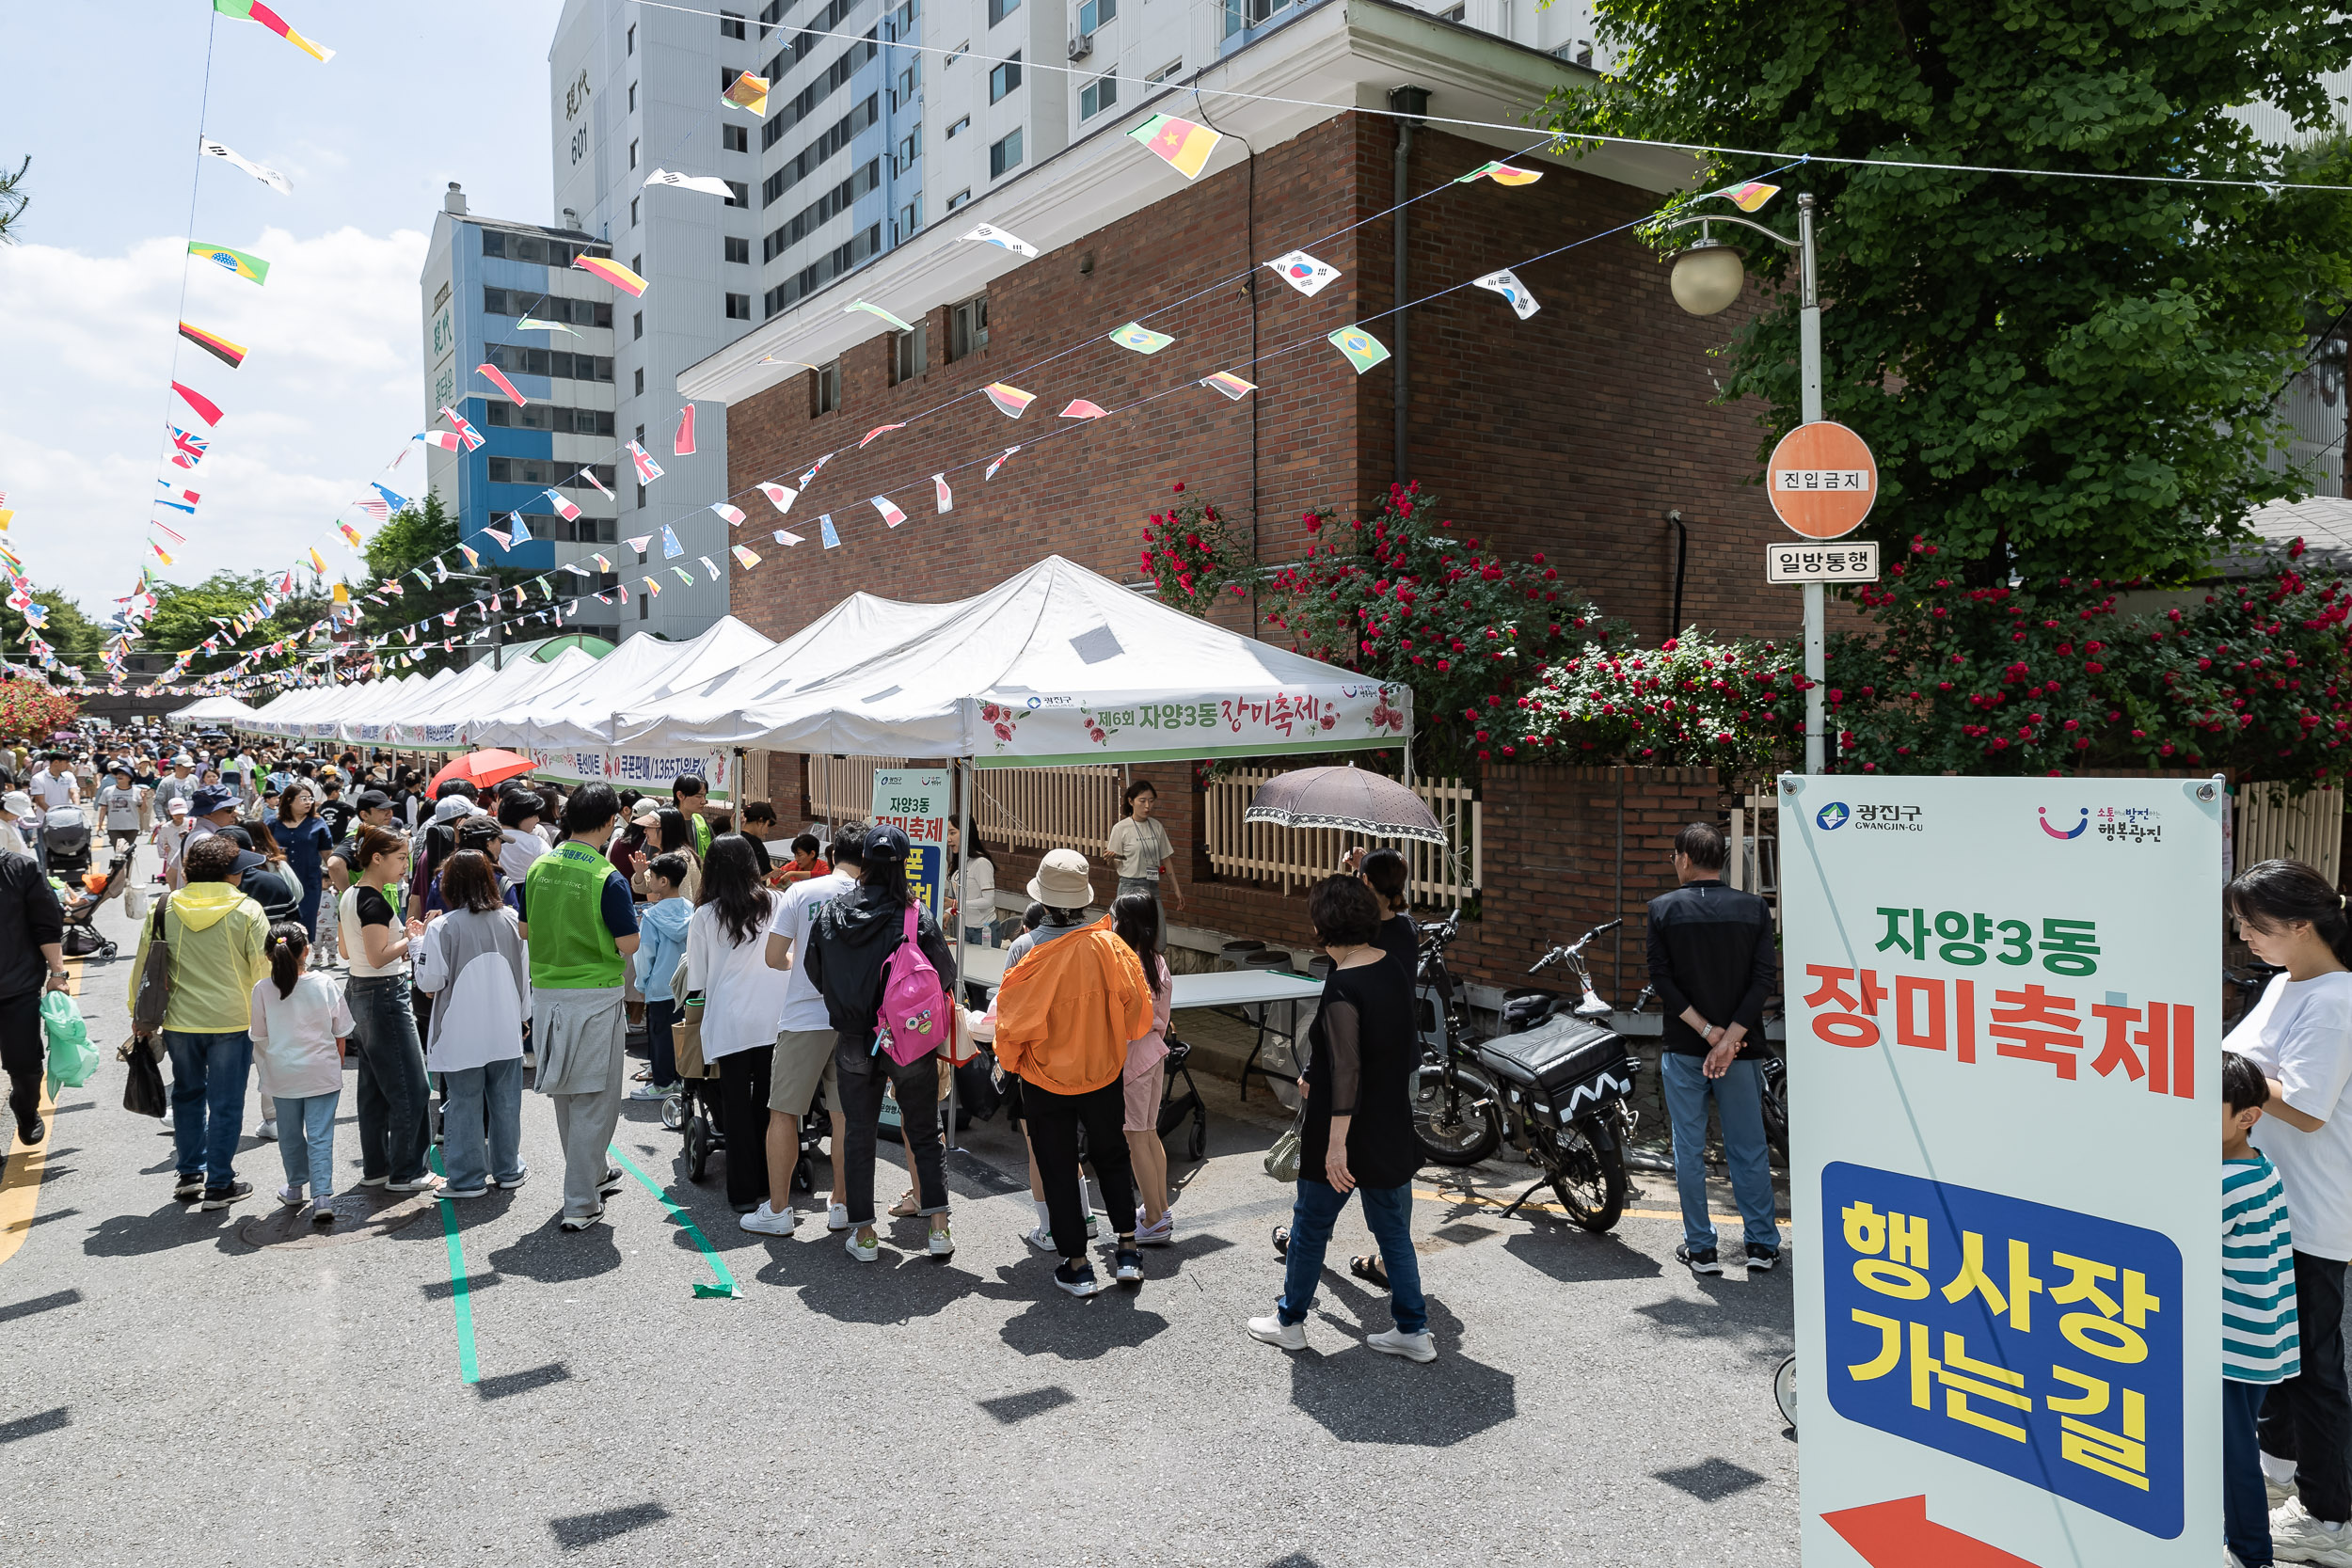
<point>331,390</point>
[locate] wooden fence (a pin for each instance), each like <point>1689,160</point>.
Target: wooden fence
<point>1047,808</point>
<point>1288,857</point>
<point>2273,826</point>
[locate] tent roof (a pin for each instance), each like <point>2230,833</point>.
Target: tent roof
<point>577,713</point>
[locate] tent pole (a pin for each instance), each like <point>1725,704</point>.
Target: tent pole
<point>948,880</point>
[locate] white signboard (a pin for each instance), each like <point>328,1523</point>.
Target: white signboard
<point>1798,562</point>
<point>916,801</point>
<point>1040,728</point>
<point>2003,1025</point>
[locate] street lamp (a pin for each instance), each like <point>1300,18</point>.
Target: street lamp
<point>1706,279</point>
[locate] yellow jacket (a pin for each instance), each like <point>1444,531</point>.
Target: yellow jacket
<point>1067,1010</point>
<point>218,955</point>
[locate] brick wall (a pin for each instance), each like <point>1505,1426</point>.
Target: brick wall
<point>1569,432</point>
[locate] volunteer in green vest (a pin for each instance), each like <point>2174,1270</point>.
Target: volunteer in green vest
<point>581,928</point>
<point>691,796</point>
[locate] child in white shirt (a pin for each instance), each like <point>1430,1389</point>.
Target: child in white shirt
<point>300,1021</point>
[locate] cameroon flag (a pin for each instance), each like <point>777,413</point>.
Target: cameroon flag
<point>253,11</point>
<point>229,353</point>
<point>1186,146</point>
<point>232,261</point>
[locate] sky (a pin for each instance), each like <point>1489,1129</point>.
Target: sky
<point>417,94</point>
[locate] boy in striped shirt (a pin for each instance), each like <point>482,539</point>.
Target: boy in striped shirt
<point>2258,1328</point>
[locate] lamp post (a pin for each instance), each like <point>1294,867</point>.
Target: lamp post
<point>1706,278</point>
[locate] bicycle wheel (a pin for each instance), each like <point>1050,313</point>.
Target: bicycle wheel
<point>1588,1175</point>
<point>1785,1390</point>
<point>1456,1126</point>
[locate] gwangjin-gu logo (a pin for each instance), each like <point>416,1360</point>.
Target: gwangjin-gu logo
<point>1833,815</point>
<point>2081,826</point>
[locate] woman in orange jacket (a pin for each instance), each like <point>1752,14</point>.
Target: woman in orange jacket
<point>1064,1017</point>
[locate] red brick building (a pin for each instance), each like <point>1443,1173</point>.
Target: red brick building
<point>1573,432</point>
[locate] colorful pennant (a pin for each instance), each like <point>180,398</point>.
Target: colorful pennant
<point>206,409</point>
<point>778,496</point>
<point>187,450</point>
<point>710,185</point>
<point>220,348</point>
<point>466,433</point>
<point>253,11</point>
<point>533,324</point>
<point>890,512</point>
<point>879,430</point>
<point>238,262</point>
<point>988,234</point>
<point>499,380</point>
<point>670,549</point>
<point>1230,385</point>
<point>682,441</point>
<point>1506,283</point>
<point>999,461</point>
<point>734,514</point>
<point>1501,174</point>
<point>1081,409</point>
<point>612,272</point>
<point>1136,336</point>
<point>648,470</point>
<point>266,175</point>
<point>1009,401</point>
<point>748,91</point>
<point>444,439</point>
<point>825,531</point>
<point>1748,197</point>
<point>563,504</point>
<point>743,556</point>
<point>946,496</point>
<point>1363,349</point>
<point>1185,146</point>
<point>1303,272</point>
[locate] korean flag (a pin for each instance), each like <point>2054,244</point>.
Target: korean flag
<point>1303,272</point>
<point>1507,284</point>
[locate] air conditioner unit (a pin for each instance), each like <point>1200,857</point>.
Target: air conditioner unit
<point>1081,46</point>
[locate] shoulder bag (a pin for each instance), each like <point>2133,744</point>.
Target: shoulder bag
<point>152,998</point>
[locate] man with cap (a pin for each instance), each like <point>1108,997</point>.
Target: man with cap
<point>334,809</point>
<point>213,809</point>
<point>122,804</point>
<point>171,839</point>
<point>181,786</point>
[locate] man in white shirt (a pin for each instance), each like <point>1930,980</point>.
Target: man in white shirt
<point>806,1036</point>
<point>181,786</point>
<point>122,803</point>
<point>51,787</point>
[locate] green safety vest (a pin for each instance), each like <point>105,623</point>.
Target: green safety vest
<point>701,837</point>
<point>563,900</point>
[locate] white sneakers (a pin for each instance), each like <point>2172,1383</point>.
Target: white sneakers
<point>1272,1330</point>
<point>767,1221</point>
<point>837,1217</point>
<point>2297,1537</point>
<point>941,1243</point>
<point>1412,1347</point>
<point>866,1253</point>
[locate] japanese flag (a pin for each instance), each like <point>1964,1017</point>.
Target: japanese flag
<point>946,496</point>
<point>779,497</point>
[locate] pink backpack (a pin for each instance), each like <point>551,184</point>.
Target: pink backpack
<point>914,1017</point>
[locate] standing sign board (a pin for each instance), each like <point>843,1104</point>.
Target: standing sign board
<point>2004,1020</point>
<point>915,801</point>
<point>1857,562</point>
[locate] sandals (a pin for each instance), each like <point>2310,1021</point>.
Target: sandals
<point>1369,1271</point>
<point>908,1204</point>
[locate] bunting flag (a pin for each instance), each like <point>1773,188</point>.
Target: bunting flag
<point>824,530</point>
<point>1506,283</point>
<point>1751,196</point>
<point>393,499</point>
<point>160,553</point>
<point>377,510</point>
<point>998,462</point>
<point>532,323</point>
<point>1363,349</point>
<point>709,565</point>
<point>318,561</point>
<point>743,556</point>
<point>1230,385</point>
<point>577,569</point>
<point>648,470</point>
<point>682,444</point>
<point>440,438</point>
<point>351,537</point>
<point>187,450</point>
<point>440,570</point>
<point>220,348</point>
<point>186,504</point>
<point>747,91</point>
<point>417,572</point>
<point>946,496</point>
<point>1136,336</point>
<point>873,310</point>
<point>1009,401</point>
<point>466,433</point>
<point>638,542</point>
<point>786,536</point>
<point>522,529</point>
<point>710,185</point>
<point>602,564</point>
<point>175,537</point>
<point>879,430</point>
<point>206,409</point>
<point>236,261</point>
<point>266,175</point>
<point>449,617</point>
<point>253,11</point>
<point>653,588</point>
<point>472,558</point>
<point>988,234</point>
<point>563,508</point>
<point>813,470</point>
<point>1081,409</point>
<point>612,272</point>
<point>688,578</point>
<point>778,497</point>
<point>670,549</point>
<point>502,384</point>
<point>1185,146</point>
<point>1501,174</point>
<point>890,512</point>
<point>733,515</point>
<point>1303,272</point>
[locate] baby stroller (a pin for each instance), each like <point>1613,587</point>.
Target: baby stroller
<point>81,940</point>
<point>65,834</point>
<point>694,1110</point>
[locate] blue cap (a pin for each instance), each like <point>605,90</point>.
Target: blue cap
<point>210,800</point>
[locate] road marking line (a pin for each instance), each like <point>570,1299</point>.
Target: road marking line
<point>460,1296</point>
<point>1480,1200</point>
<point>726,1286</point>
<point>20,1189</point>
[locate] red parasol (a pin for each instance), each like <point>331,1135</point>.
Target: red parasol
<point>483,768</point>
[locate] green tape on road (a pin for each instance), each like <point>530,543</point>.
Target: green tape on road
<point>468,1370</point>
<point>726,1286</point>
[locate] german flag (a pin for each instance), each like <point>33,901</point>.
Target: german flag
<point>220,348</point>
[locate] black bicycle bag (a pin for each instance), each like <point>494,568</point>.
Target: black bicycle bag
<point>1562,1069</point>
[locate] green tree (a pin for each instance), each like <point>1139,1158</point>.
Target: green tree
<point>2057,375</point>
<point>410,541</point>
<point>185,616</point>
<point>75,635</point>
<point>13,200</point>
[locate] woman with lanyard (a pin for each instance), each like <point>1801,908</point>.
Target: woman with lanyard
<point>1141,854</point>
<point>302,835</point>
<point>395,1122</point>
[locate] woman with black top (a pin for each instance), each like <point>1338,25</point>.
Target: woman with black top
<point>1385,872</point>
<point>1358,1128</point>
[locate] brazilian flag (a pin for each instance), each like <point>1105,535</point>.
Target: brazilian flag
<point>238,262</point>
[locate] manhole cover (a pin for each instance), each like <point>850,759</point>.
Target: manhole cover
<point>356,1215</point>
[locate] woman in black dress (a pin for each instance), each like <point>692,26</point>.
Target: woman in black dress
<point>1358,1129</point>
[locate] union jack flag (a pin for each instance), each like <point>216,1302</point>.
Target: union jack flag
<point>187,448</point>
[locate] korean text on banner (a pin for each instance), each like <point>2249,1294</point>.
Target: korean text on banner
<point>2004,1009</point>
<point>918,802</point>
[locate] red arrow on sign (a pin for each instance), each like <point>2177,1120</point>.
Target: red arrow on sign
<point>1898,1534</point>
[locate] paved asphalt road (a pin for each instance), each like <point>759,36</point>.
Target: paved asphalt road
<point>174,1394</point>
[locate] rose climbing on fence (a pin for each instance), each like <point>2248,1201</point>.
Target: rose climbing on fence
<point>1735,704</point>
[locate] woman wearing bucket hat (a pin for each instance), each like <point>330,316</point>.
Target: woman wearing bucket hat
<point>1064,1015</point>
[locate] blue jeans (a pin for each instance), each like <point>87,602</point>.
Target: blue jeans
<point>208,1074</point>
<point>482,1123</point>
<point>395,1119</point>
<point>1388,1214</point>
<point>2245,1505</point>
<point>1739,1101</point>
<point>306,1141</point>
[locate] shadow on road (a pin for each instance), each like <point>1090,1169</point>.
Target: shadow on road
<point>579,1530</point>
<point>555,1256</point>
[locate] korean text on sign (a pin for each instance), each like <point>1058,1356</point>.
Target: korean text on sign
<point>2036,1341</point>
<point>1855,479</point>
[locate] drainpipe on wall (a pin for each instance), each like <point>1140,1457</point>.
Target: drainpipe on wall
<point>1412,103</point>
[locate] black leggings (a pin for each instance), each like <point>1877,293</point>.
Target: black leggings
<point>744,1118</point>
<point>1054,1120</point>
<point>23,1053</point>
<point>2307,1418</point>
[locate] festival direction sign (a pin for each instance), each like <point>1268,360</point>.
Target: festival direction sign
<point>916,800</point>
<point>1822,480</point>
<point>2004,1014</point>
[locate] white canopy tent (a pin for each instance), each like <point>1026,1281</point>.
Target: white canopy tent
<point>216,710</point>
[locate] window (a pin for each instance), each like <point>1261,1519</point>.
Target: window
<point>959,199</point>
<point>826,386</point>
<point>910,219</point>
<point>959,127</point>
<point>968,328</point>
<point>738,307</point>
<point>632,49</point>
<point>1005,157</point>
<point>959,52</point>
<point>909,79</point>
<point>640,380</point>
<point>636,323</point>
<point>1099,94</point>
<point>909,149</point>
<point>727,74</point>
<point>735,139</point>
<point>562,363</point>
<point>825,268</point>
<point>1171,69</point>
<point>864,178</point>
<point>811,157</point>
<point>738,250</point>
<point>632,86</point>
<point>1094,13</point>
<point>738,194</point>
<point>632,155</point>
<point>493,242</point>
<point>999,10</point>
<point>1003,79</point>
<point>632,214</point>
<point>913,358</point>
<point>644,604</point>
<point>730,25</point>
<point>1456,15</point>
<point>637,265</point>
<point>549,417</point>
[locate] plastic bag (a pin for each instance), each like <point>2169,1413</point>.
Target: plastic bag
<point>71,1059</point>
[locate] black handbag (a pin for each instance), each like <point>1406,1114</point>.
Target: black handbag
<point>143,1090</point>
<point>153,997</point>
